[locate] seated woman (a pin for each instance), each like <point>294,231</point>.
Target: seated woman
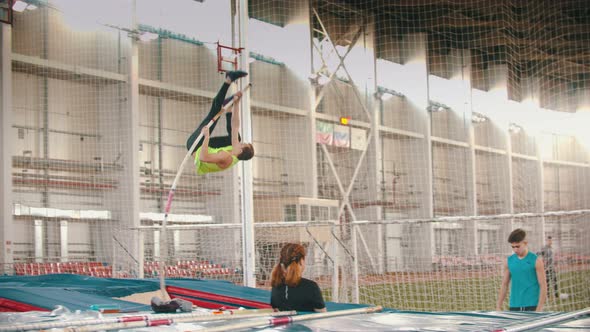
<point>289,290</point>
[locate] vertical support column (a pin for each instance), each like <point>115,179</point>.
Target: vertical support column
<point>376,172</point>
<point>6,217</point>
<point>510,198</point>
<point>118,125</point>
<point>355,266</point>
<point>541,186</point>
<point>141,254</point>
<point>130,145</point>
<point>44,138</point>
<point>63,240</point>
<point>465,104</point>
<point>312,181</point>
<point>336,272</point>
<point>176,241</point>
<point>377,175</point>
<point>249,249</point>
<point>532,88</point>
<point>313,170</point>
<point>115,262</point>
<point>156,245</point>
<point>498,77</point>
<point>231,185</point>
<point>499,80</point>
<point>38,240</point>
<point>509,184</point>
<point>373,240</point>
<point>472,194</point>
<point>415,70</point>
<point>429,200</point>
<point>495,102</point>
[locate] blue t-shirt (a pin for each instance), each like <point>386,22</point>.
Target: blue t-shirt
<point>524,288</point>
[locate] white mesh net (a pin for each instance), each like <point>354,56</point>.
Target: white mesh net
<point>399,141</point>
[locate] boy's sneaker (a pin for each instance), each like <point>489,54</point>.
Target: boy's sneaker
<point>235,74</point>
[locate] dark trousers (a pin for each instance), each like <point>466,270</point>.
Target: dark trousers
<point>531,308</point>
<point>214,142</point>
<point>551,278</point>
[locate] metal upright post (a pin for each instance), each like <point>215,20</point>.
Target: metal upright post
<point>248,243</point>
<point>6,219</point>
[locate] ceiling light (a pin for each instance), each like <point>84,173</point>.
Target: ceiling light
<point>437,107</point>
<point>318,79</point>
<point>147,36</point>
<point>383,96</point>
<point>322,80</point>
<point>514,128</point>
<point>386,94</point>
<point>478,117</point>
<point>19,6</point>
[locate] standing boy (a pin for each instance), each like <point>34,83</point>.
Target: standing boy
<point>525,273</point>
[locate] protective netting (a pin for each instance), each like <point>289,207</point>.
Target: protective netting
<point>373,123</point>
<point>459,265</point>
<point>72,131</point>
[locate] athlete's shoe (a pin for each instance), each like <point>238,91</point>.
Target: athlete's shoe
<point>235,74</point>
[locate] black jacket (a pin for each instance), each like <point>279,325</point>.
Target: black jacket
<point>305,297</point>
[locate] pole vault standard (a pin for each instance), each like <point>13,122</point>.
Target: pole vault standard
<point>161,263</point>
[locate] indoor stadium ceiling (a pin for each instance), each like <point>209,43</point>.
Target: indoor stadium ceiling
<point>552,36</point>
<point>536,39</point>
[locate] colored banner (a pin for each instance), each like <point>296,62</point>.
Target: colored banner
<point>341,136</point>
<point>324,132</point>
